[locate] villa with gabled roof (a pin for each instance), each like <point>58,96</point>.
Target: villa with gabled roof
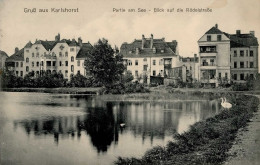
<point>148,57</point>
<point>64,56</point>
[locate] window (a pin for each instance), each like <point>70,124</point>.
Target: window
<point>251,53</point>
<point>235,64</point>
<point>27,59</point>
<point>42,64</point>
<point>208,37</point>
<point>37,73</point>
<point>37,63</point>
<point>136,62</point>
<point>60,54</point>
<point>21,73</point>
<point>60,63</point>
<point>66,63</point>
<point>235,53</point>
<point>241,53</point>
<point>251,76</point>
<point>145,67</point>
<point>251,64</point>
<point>246,52</point>
<point>53,63</point>
<point>32,54</point>
<point>161,62</point>
<point>72,58</point>
<point>154,73</point>
<point>235,76</point>
<point>21,64</point>
<point>154,62</point>
<point>32,64</point>
<point>71,49</point>
<point>66,73</point>
<point>16,64</point>
<point>219,75</point>
<point>145,59</point>
<point>219,37</point>
<point>242,76</point>
<point>66,54</point>
<point>206,49</point>
<point>241,64</point>
<point>129,62</point>
<point>211,62</point>
<point>78,72</point>
<point>136,73</point>
<point>226,75</point>
<point>27,68</point>
<point>247,64</point>
<point>27,50</point>
<point>78,62</point>
<point>37,54</point>
<point>72,68</point>
<point>16,73</point>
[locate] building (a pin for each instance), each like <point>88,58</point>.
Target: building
<point>214,57</point>
<point>227,57</point>
<point>3,57</point>
<point>192,68</point>
<point>148,58</point>
<point>244,56</point>
<point>64,56</point>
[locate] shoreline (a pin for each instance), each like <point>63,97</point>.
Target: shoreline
<point>208,141</point>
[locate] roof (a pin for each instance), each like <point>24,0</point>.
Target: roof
<point>191,59</point>
<point>129,50</point>
<point>243,40</point>
<point>214,30</point>
<point>84,50</point>
<point>28,45</point>
<point>18,56</point>
<point>2,53</point>
<point>236,40</point>
<point>48,45</point>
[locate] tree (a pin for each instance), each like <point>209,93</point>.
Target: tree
<point>105,64</point>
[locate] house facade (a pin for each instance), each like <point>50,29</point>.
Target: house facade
<point>214,57</point>
<point>149,57</point>
<point>64,56</point>
<point>244,56</point>
<point>192,68</point>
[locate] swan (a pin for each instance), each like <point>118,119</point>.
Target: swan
<point>122,125</point>
<point>225,104</point>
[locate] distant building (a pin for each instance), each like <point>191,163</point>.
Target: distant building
<point>244,56</point>
<point>192,68</point>
<point>227,57</point>
<point>148,58</point>
<point>3,57</point>
<point>64,56</point>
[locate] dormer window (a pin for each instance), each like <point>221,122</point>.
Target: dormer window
<point>154,50</point>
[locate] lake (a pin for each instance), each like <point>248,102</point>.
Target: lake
<point>59,129</point>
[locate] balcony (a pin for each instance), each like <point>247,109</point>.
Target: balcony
<point>208,54</point>
<point>206,65</point>
<point>167,66</point>
<point>50,57</point>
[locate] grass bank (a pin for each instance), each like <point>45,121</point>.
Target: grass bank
<point>206,142</point>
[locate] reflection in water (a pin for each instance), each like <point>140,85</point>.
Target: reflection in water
<point>100,120</point>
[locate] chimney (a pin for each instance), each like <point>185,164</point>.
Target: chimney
<point>80,41</point>
<point>238,32</point>
<point>151,43</point>
<point>57,37</point>
<point>216,26</point>
<point>252,33</point>
<point>16,50</point>
<point>136,50</point>
<point>143,41</point>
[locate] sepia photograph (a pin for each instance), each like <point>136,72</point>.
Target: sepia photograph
<point>129,82</point>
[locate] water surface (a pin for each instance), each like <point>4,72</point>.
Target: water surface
<point>40,128</point>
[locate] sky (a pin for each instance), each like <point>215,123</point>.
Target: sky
<point>96,19</point>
